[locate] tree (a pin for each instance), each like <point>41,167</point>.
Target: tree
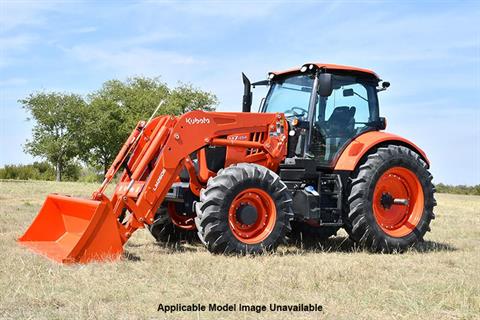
<point>116,108</point>
<point>113,112</point>
<point>58,128</point>
<point>186,98</point>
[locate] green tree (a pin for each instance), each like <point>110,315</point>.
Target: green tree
<point>113,112</point>
<point>186,98</point>
<point>116,108</point>
<point>59,119</point>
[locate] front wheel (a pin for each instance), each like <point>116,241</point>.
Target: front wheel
<point>246,208</point>
<point>390,203</point>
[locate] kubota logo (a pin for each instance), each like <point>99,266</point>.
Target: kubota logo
<point>197,120</point>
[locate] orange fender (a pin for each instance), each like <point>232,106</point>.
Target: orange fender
<point>359,146</point>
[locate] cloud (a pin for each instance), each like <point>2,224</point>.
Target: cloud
<point>236,10</point>
<point>11,46</point>
<point>10,82</point>
<point>84,30</point>
<point>393,37</point>
<point>131,61</point>
<point>149,38</point>
<point>15,18</point>
<point>16,42</point>
<point>15,14</point>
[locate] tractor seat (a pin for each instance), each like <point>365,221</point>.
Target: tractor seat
<point>341,122</point>
<point>340,127</point>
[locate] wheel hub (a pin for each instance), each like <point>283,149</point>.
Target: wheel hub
<point>252,215</point>
<point>247,214</point>
<point>386,200</point>
<point>398,201</point>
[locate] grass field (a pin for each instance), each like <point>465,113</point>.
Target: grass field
<point>440,279</point>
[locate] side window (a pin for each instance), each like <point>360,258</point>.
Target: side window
<point>350,110</point>
<point>349,95</point>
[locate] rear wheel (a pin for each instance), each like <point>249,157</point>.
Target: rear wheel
<point>390,203</point>
<point>170,226</point>
<point>246,208</point>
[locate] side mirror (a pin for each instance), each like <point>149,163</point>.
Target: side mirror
<point>325,84</point>
<point>348,92</point>
<point>385,85</point>
<point>247,94</point>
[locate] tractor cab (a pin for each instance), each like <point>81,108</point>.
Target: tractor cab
<point>326,105</point>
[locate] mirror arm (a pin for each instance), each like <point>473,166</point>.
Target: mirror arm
<point>261,83</point>
<point>311,112</point>
<point>360,96</point>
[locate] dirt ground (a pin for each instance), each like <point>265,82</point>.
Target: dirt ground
<point>440,279</point>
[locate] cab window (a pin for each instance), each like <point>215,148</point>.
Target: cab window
<point>351,109</point>
<point>290,96</point>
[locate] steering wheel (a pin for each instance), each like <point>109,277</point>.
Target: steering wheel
<point>293,113</point>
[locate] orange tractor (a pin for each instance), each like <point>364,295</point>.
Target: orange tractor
<point>312,161</point>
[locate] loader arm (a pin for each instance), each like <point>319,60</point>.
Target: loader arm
<point>72,230</point>
<point>157,162</point>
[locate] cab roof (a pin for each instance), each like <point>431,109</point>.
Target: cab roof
<point>326,66</point>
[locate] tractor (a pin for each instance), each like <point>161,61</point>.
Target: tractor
<point>314,159</point>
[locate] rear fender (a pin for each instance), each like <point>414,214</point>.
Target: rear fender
<point>361,145</point>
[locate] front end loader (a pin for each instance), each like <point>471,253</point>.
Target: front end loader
<point>312,160</point>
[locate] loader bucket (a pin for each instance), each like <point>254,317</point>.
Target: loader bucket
<point>74,230</point>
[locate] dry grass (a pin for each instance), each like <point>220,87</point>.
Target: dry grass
<point>440,279</point>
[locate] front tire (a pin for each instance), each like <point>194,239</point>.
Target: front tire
<point>390,203</point>
<point>246,208</point>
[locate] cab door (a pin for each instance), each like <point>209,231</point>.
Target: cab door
<point>351,109</point>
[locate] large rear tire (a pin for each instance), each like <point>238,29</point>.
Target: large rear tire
<point>390,202</point>
<point>246,208</point>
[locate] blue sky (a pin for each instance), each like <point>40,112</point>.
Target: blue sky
<point>429,51</point>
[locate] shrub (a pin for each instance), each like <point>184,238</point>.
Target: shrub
<point>39,171</point>
<point>35,171</point>
<point>89,174</point>
<point>459,189</point>
<point>71,172</point>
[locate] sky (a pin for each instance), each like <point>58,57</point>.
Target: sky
<point>428,50</point>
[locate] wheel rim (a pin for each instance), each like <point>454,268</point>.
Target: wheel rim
<point>180,220</point>
<point>246,226</point>
<point>394,215</point>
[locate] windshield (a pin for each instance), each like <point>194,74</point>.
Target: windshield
<point>290,96</point>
